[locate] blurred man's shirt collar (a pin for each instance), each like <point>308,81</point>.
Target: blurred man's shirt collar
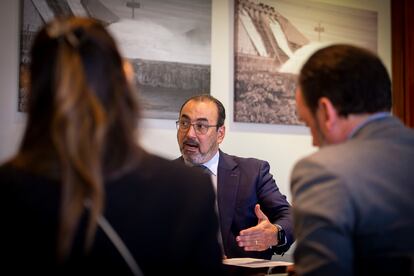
<point>373,117</point>
<point>212,164</point>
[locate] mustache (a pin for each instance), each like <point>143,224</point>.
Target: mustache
<point>191,142</point>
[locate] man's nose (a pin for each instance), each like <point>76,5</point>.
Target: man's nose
<point>191,131</point>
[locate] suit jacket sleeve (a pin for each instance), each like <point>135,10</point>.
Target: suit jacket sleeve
<point>275,205</point>
<point>322,221</point>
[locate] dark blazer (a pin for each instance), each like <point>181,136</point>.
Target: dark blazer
<point>168,223</point>
<point>353,204</point>
<point>241,184</point>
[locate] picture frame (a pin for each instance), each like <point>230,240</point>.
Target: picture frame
<point>272,40</point>
<point>168,42</point>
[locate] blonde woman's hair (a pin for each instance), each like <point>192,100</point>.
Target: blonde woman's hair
<point>82,119</point>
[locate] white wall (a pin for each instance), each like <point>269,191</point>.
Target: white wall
<point>282,146</point>
<point>11,122</point>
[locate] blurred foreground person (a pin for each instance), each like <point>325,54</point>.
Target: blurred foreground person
<point>353,199</point>
<point>81,197</point>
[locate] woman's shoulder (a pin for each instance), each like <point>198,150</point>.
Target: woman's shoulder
<point>12,172</point>
<point>163,166</point>
<point>161,171</point>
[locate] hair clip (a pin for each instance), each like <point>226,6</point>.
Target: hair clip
<point>61,32</point>
<point>72,39</point>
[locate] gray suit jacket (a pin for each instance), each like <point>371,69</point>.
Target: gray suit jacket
<point>354,204</point>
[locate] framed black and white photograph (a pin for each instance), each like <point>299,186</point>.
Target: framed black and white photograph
<point>168,43</point>
<point>272,40</point>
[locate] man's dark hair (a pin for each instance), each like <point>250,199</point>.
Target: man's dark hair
<point>207,97</point>
<point>353,79</point>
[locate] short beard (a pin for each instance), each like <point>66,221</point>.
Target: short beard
<point>196,159</point>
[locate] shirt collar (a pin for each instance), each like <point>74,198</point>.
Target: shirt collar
<point>374,117</point>
<point>212,164</point>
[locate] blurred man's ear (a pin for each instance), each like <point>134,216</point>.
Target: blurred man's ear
<point>326,114</point>
<point>221,133</point>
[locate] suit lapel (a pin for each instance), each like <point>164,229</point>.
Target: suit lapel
<point>228,178</point>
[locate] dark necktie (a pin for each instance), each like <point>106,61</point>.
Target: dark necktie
<point>204,169</point>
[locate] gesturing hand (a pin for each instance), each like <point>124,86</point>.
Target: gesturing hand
<point>259,237</point>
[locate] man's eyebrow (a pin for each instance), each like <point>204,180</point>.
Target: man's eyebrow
<point>184,116</point>
<point>202,120</point>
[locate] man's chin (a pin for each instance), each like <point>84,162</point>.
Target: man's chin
<point>191,157</point>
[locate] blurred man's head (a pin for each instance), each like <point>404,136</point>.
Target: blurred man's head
<point>200,128</point>
<point>336,85</point>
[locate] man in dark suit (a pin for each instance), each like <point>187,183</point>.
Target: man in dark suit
<point>352,199</point>
<point>255,218</point>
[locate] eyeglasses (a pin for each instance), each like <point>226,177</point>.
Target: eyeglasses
<point>199,127</point>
